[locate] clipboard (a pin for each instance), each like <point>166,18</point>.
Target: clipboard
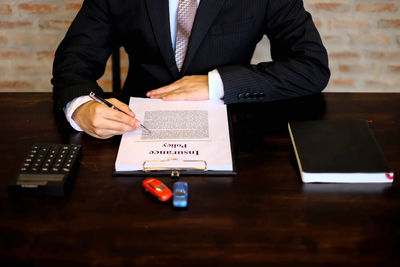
<point>175,167</point>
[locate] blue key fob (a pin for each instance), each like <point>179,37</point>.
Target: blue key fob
<point>180,194</point>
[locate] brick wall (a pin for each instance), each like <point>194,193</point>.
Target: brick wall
<point>362,38</point>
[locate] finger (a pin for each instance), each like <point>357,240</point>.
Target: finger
<point>115,115</point>
<point>163,90</point>
<point>122,118</point>
<point>103,134</point>
<point>104,127</point>
<point>122,106</point>
<point>114,126</point>
<point>103,112</point>
<point>174,96</point>
<point>183,95</point>
<point>101,128</point>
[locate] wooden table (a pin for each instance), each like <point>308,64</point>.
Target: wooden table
<point>264,215</point>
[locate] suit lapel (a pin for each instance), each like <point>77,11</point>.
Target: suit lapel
<point>206,13</point>
<point>158,11</point>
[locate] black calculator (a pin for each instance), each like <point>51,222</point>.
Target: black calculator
<point>47,170</point>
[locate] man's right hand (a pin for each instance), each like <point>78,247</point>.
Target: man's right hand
<point>103,122</point>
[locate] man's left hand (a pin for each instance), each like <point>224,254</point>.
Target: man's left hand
<point>188,88</point>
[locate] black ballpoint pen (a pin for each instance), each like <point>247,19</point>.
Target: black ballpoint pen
<point>105,102</point>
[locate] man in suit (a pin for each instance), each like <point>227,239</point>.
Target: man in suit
<point>216,63</point>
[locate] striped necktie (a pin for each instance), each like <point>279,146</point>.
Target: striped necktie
<point>186,14</point>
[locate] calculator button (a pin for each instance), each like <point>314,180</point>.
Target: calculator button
<point>36,164</point>
<point>38,160</point>
<point>44,150</point>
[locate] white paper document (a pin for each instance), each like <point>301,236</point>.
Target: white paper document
<point>187,134</point>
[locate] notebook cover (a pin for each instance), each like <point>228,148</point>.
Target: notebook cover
<point>337,146</point>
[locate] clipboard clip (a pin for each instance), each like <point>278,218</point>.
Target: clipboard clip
<point>174,165</point>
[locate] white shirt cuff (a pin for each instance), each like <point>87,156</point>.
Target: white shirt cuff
<point>215,85</point>
<point>72,106</point>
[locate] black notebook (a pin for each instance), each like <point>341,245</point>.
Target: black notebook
<point>338,151</point>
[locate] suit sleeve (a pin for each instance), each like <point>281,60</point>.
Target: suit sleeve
<point>299,64</point>
<point>81,57</point>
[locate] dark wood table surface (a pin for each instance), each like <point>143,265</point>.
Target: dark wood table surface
<point>264,215</point>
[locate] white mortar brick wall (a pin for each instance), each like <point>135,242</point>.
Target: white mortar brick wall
<point>362,38</point>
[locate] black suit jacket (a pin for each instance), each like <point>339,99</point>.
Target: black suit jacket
<point>224,36</point>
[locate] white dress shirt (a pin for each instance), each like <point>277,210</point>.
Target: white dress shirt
<point>215,85</point>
